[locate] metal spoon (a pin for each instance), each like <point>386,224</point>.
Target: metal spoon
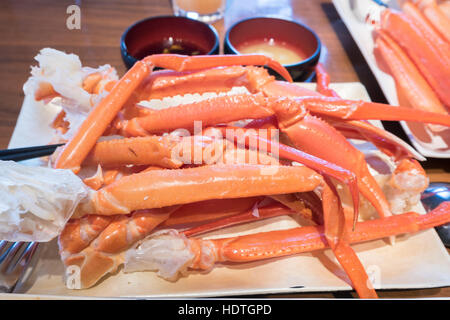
<point>435,194</point>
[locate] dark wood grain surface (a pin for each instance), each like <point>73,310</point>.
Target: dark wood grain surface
<point>26,26</point>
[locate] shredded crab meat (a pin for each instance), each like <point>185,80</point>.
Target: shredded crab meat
<point>66,74</point>
<point>166,252</point>
<point>36,202</point>
<point>403,195</point>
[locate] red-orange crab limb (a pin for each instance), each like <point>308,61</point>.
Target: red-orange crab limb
<point>115,233</point>
<point>363,110</point>
<point>303,129</point>
<point>76,150</point>
<point>352,129</point>
<point>162,151</point>
<point>409,81</point>
<point>363,130</point>
<point>187,63</point>
<point>245,136</point>
<point>308,207</point>
<point>79,233</point>
<point>209,210</point>
<point>323,82</point>
<point>246,216</point>
<point>431,59</point>
<point>435,16</point>
<point>124,230</point>
<point>130,208</point>
<point>160,188</point>
<point>382,139</point>
<point>306,239</point>
<point>336,232</point>
<point>243,106</point>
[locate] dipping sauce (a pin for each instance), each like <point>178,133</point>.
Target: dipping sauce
<point>170,45</point>
<point>279,51</point>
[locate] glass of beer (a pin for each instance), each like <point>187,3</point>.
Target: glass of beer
<point>208,11</point>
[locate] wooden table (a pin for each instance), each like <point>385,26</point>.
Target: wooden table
<point>26,26</point>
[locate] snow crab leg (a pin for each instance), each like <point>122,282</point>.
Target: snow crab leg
<point>156,190</point>
<point>408,78</point>
<point>162,151</point>
<point>427,56</point>
<point>160,188</point>
<point>246,216</point>
<point>303,129</point>
<point>102,115</point>
<point>243,136</point>
<point>76,150</point>
<point>130,208</point>
<point>306,239</point>
<point>435,16</point>
<point>187,63</point>
<point>203,254</point>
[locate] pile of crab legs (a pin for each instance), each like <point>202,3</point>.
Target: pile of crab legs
<point>124,208</point>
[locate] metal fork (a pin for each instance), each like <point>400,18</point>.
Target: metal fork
<point>15,258</point>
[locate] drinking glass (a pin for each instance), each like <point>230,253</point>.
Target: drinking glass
<point>208,11</point>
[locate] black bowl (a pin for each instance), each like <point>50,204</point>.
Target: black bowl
<point>142,35</point>
<point>291,33</point>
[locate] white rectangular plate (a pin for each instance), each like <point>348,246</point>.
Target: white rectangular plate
<point>416,261</point>
<point>352,13</point>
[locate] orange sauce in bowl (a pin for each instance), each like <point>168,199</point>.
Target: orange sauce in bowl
<point>279,51</point>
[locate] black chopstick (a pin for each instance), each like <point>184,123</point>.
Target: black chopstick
<point>19,154</point>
